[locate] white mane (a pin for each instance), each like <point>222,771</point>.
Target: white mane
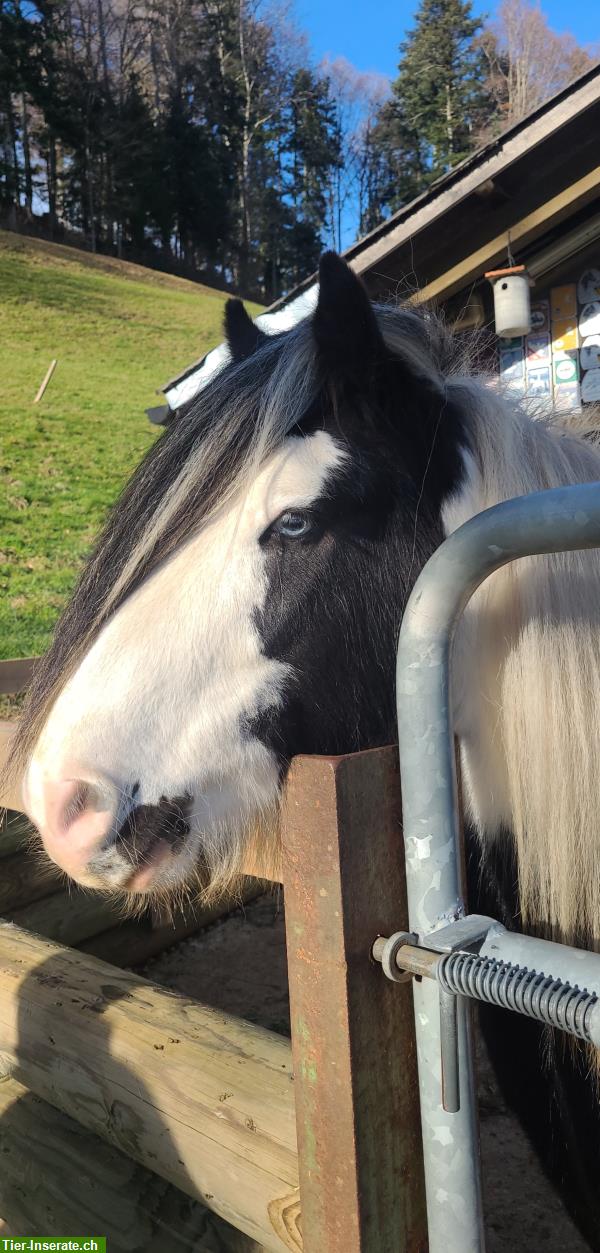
<point>528,675</point>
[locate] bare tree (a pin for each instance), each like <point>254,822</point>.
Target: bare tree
<point>358,96</point>
<point>529,62</point>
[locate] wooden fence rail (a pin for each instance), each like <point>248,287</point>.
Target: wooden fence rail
<point>56,1176</point>
<point>202,1099</point>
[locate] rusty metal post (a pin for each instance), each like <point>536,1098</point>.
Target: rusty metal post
<point>357,1104</point>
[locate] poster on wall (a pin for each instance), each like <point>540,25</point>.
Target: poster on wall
<point>565,342</point>
<point>590,386</point>
<point>588,287</point>
<point>512,361</point>
<point>564,335</point>
<point>563,302</point>
<point>538,349</point>
<point>589,319</point>
<point>566,369</point>
<point>540,316</point>
<point>588,294</point>
<point>567,397</point>
<point>590,353</point>
<point>539,382</point>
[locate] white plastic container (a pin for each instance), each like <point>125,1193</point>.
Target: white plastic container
<point>512,304</point>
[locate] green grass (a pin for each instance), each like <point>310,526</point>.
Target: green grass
<point>118,331</point>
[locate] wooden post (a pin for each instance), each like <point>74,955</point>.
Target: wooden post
<point>356,1089</point>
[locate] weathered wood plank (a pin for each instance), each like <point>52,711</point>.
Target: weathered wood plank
<point>133,942</point>
<point>16,674</point>
<point>56,1176</point>
<point>203,1099</point>
<point>10,792</point>
<point>68,917</point>
<point>357,1108</point>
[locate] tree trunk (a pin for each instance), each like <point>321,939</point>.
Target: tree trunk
<point>449,127</point>
<point>12,133</point>
<point>26,155</point>
<point>91,207</point>
<point>51,181</point>
<point>102,35</point>
<point>244,249</point>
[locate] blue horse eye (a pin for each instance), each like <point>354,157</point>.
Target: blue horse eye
<point>293,525</point>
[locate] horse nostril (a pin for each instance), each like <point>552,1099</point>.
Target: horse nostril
<point>82,798</point>
<point>62,800</point>
<point>68,810</point>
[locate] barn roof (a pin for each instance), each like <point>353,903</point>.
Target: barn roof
<point>534,174</point>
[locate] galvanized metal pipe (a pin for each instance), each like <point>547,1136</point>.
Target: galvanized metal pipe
<point>545,522</point>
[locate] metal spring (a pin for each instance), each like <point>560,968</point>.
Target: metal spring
<point>529,992</point>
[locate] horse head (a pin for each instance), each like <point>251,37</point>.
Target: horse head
<point>244,600</point>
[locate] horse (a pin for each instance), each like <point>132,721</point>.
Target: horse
<point>243,604</point>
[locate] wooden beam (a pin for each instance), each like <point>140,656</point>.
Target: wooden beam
<point>133,942</point>
<point>357,1109</point>
<point>56,1176</point>
<point>68,917</point>
<point>521,232</point>
<point>10,793</point>
<point>202,1099</point>
<point>93,921</point>
<point>25,878</point>
<point>16,674</point>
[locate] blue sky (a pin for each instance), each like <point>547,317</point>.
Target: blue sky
<point>368,32</point>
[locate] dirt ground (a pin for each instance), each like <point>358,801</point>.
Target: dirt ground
<point>239,965</point>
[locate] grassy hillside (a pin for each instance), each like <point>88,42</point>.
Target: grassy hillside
<point>119,331</point>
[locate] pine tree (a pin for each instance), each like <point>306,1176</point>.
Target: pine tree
<point>437,102</point>
<point>19,50</point>
<point>313,147</point>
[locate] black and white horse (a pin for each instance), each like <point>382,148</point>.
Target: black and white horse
<point>243,605</point>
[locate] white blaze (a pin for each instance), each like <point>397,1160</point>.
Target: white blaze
<point>164,692</point>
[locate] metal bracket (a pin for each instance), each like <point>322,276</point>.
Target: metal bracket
<point>400,963</point>
<point>465,934</point>
<point>477,957</point>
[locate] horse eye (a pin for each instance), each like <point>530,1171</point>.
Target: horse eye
<point>292,525</point>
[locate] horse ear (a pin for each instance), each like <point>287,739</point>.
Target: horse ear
<point>243,335</point>
<point>344,323</point>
